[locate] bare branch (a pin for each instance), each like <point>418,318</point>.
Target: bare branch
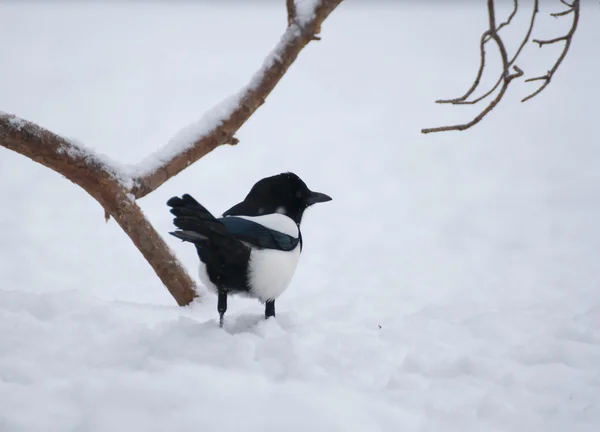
<point>250,99</point>
<point>567,3</point>
<point>549,41</point>
<point>506,78</point>
<point>477,78</point>
<point>512,60</point>
<point>462,100</point>
<point>510,17</point>
<point>543,77</point>
<point>485,37</point>
<point>563,13</point>
<point>568,39</point>
<point>291,11</point>
<point>461,127</point>
<point>103,183</point>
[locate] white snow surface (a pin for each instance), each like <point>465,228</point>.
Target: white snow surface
<point>451,285</point>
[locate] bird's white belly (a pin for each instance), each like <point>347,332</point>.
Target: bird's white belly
<point>270,271</point>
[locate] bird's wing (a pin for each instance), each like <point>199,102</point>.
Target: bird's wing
<point>197,225</point>
<point>258,235</point>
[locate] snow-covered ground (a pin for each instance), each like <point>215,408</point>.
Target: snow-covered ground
<point>453,284</point>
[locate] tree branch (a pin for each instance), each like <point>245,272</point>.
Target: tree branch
<point>568,38</point>
<point>105,184</point>
<point>506,77</point>
<point>563,13</point>
<point>238,111</point>
<point>549,41</point>
<point>512,60</point>
<point>510,17</point>
<point>485,37</point>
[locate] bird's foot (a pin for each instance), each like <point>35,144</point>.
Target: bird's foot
<point>222,307</point>
<point>270,309</point>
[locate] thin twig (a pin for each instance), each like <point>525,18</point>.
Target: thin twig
<point>512,60</point>
<point>510,17</point>
<point>549,41</point>
<point>477,78</point>
<point>544,77</point>
<point>485,37</point>
<point>563,13</point>
<point>482,114</point>
<point>568,39</point>
<point>507,78</point>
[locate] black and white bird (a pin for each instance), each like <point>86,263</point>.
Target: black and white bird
<point>253,250</point>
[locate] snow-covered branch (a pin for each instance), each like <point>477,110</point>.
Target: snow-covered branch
<point>219,125</point>
<point>108,184</point>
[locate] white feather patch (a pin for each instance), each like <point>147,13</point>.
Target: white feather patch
<point>275,221</point>
<point>270,271</point>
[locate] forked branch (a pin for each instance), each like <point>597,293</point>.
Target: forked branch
<point>108,186</point>
<point>568,38</point>
<point>506,76</point>
<point>117,191</point>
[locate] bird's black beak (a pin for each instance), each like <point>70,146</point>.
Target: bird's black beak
<point>317,197</point>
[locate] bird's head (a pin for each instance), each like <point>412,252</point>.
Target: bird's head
<point>284,193</point>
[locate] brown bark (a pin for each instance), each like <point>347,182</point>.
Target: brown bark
<point>117,193</point>
<point>97,179</point>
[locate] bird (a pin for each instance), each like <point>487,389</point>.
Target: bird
<point>253,249</point>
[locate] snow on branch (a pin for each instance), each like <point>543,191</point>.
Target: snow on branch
<point>506,76</point>
<point>105,182</point>
<point>219,125</point>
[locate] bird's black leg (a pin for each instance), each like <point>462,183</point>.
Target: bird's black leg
<point>222,306</point>
<point>270,309</point>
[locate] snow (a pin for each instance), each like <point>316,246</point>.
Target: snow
<point>189,135</point>
<point>17,123</point>
<point>118,171</point>
<point>305,11</point>
<point>451,285</point>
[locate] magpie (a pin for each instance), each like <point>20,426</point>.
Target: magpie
<point>254,248</point>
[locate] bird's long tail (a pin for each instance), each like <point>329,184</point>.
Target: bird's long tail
<point>196,224</point>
